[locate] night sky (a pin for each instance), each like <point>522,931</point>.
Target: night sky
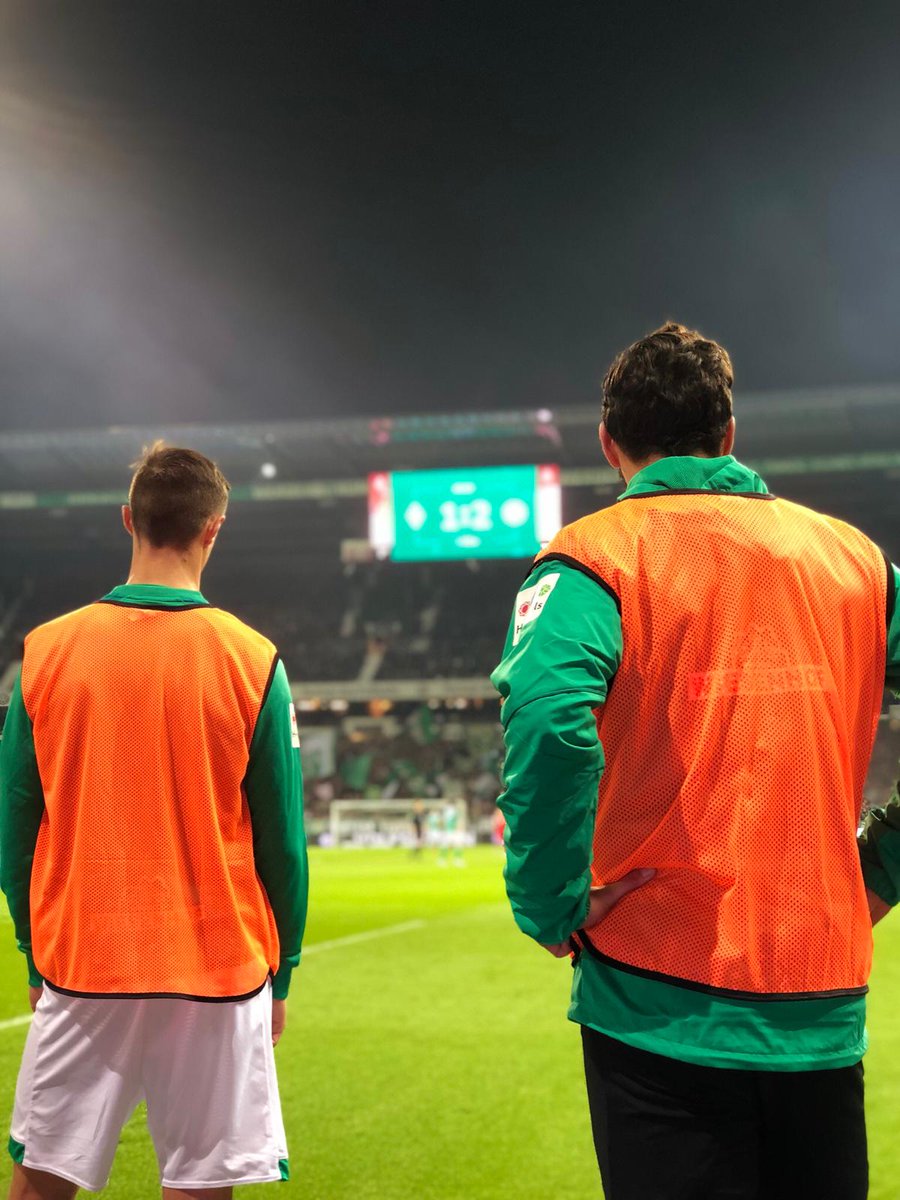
<point>232,211</point>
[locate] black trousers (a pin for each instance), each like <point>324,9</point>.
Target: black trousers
<point>668,1130</point>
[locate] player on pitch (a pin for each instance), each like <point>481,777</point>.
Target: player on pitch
<point>153,855</point>
<point>692,682</point>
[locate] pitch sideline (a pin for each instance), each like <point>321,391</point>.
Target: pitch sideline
<point>367,935</point>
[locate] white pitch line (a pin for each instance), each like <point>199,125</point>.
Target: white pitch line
<point>12,1022</point>
<point>367,935</point>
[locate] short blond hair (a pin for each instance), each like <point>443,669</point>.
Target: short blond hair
<point>173,493</point>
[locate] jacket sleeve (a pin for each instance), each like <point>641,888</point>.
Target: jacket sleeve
<point>562,650</point>
<point>21,812</point>
<point>879,839</point>
<point>274,789</point>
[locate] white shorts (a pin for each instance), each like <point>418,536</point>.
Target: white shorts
<point>206,1070</point>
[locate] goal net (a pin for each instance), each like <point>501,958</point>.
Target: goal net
<point>397,822</point>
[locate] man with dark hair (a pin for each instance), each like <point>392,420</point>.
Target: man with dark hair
<point>173,493</point>
<point>669,393</point>
<point>153,857</point>
<point>691,686</point>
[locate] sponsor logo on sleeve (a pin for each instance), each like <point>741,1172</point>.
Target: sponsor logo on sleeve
<point>295,732</point>
<point>530,603</point>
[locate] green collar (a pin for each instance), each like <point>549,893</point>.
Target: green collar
<point>683,472</point>
<point>154,595</point>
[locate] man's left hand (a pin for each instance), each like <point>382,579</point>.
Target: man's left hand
<point>878,908</point>
<point>603,900</point>
<point>560,950</point>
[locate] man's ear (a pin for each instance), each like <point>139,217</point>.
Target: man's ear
<point>211,532</point>
<point>728,440</point>
<point>127,519</point>
<point>610,449</point>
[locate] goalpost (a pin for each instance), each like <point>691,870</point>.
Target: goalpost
<point>392,822</point>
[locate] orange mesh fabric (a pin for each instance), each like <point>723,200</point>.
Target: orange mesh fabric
<point>143,877</point>
<point>737,735</point>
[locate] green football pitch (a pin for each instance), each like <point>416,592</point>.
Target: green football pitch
<point>427,1054</point>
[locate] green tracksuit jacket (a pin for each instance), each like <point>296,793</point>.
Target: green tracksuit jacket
<point>551,680</point>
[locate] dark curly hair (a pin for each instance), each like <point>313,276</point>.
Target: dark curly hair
<point>669,393</point>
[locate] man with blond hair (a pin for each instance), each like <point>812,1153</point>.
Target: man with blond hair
<point>153,856</point>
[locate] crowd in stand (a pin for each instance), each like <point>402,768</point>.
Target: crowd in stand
<point>409,621</point>
<point>884,769</point>
<point>431,621</point>
<point>426,756</point>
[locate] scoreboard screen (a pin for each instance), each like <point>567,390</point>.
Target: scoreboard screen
<point>477,512</point>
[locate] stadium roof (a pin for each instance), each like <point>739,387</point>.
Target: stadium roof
<point>842,424</point>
